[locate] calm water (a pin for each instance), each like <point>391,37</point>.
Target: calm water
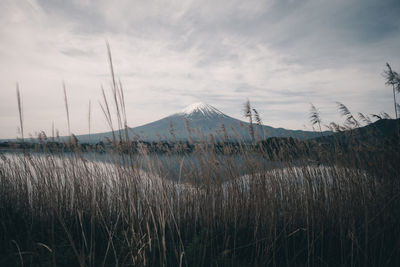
<point>178,167</point>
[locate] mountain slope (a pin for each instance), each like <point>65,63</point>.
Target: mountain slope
<point>377,133</point>
<point>201,121</point>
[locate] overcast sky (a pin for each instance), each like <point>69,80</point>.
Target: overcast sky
<point>282,55</point>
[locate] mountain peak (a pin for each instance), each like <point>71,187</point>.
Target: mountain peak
<point>202,108</point>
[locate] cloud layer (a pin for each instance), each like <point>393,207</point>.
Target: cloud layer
<point>280,54</point>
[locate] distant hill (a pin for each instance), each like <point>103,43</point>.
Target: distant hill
<point>384,131</point>
<point>368,147</point>
<point>201,121</point>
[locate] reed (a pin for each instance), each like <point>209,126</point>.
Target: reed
<point>65,210</point>
<point>21,120</point>
<point>274,202</point>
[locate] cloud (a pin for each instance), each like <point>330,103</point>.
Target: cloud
<point>280,54</point>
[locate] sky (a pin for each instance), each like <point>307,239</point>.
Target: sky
<point>281,55</point>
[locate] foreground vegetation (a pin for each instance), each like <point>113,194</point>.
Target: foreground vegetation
<point>333,201</point>
<point>68,211</point>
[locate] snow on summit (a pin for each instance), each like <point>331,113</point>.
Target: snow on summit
<point>201,107</point>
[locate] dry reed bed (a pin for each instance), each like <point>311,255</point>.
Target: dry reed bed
<point>70,211</point>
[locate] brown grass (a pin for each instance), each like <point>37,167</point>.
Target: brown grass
<point>250,207</point>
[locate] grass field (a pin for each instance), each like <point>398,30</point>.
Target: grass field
<point>330,202</point>
<point>70,211</point>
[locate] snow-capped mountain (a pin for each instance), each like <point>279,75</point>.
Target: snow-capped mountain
<point>201,121</point>
<point>200,109</point>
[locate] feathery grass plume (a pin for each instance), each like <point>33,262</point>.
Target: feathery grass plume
<point>248,114</point>
<point>390,75</point>
<point>257,117</point>
<point>384,115</point>
<point>20,112</point>
<point>350,121</point>
<point>343,110</point>
<point>376,116</point>
<point>66,107</point>
<point>392,79</point>
<point>315,117</point>
<point>259,123</point>
<point>364,118</point>
<point>334,127</point>
<point>397,85</point>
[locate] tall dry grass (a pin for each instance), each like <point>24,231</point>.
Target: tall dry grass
<point>58,211</point>
<point>334,207</point>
